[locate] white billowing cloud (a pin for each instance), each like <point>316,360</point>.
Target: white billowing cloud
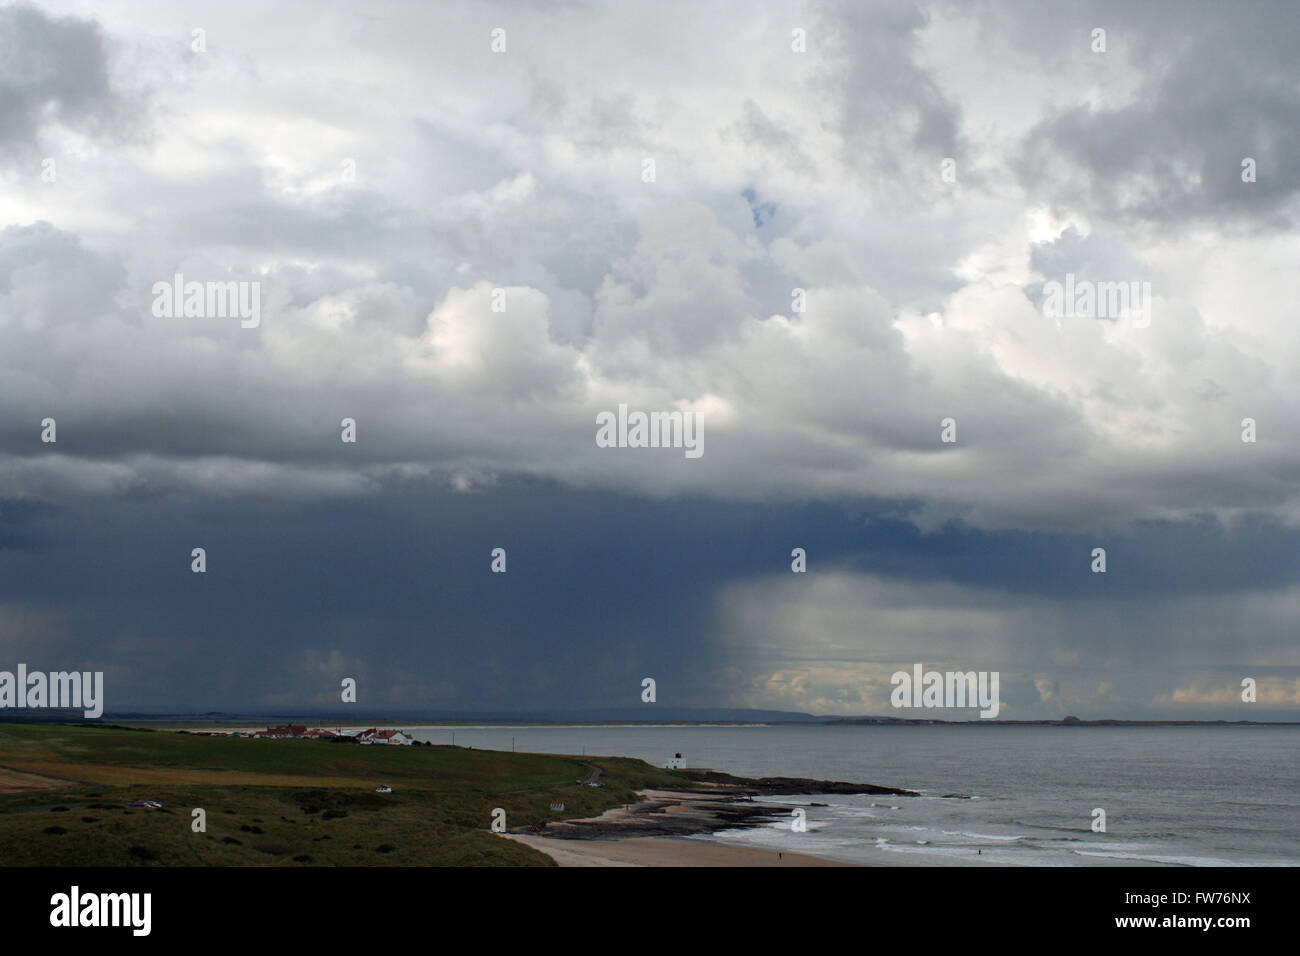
<point>523,172</point>
<point>506,356</point>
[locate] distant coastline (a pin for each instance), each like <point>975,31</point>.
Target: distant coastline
<point>167,721</point>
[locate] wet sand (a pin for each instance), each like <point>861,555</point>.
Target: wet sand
<point>662,851</point>
<point>662,829</point>
<point>673,827</point>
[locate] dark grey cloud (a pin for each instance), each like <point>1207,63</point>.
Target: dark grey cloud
<point>601,590</point>
<point>777,171</point>
<point>53,70</point>
<point>1212,87</point>
<point>895,122</point>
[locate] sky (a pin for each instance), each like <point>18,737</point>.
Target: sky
<point>826,232</point>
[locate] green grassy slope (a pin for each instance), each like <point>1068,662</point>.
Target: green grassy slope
<point>285,802</point>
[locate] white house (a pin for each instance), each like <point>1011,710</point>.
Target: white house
<point>388,737</point>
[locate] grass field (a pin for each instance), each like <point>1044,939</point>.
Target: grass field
<point>64,791</point>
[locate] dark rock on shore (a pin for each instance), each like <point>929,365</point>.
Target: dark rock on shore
<point>671,815</point>
<point>721,802</point>
<point>781,786</point>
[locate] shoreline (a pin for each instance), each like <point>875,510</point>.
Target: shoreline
<point>719,802</point>
<point>675,828</point>
<point>702,851</point>
<point>665,851</point>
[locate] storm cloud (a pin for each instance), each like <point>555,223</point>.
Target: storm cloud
<point>826,229</point>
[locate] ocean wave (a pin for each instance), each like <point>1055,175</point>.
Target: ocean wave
<point>1161,858</point>
<point>984,836</point>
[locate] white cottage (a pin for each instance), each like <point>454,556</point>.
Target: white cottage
<point>387,737</point>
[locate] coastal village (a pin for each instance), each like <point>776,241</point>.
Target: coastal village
<point>372,736</point>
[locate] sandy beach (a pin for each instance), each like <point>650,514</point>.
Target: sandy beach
<point>660,831</point>
<point>673,827</point>
<point>662,851</point>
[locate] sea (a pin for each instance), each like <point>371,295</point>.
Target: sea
<point>1027,795</point>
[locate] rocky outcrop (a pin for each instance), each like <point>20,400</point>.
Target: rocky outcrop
<point>782,786</point>
<point>719,802</point>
